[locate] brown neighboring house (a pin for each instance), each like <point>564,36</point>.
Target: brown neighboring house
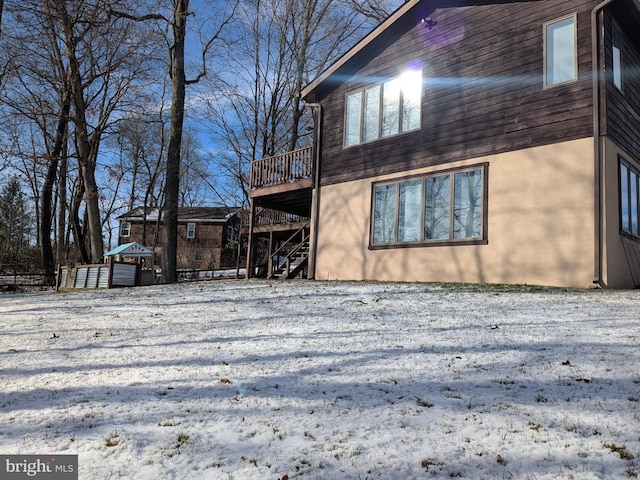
<point>203,233</point>
<point>474,141</point>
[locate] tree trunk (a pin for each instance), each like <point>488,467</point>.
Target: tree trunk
<point>62,243</point>
<point>87,166</point>
<point>47,215</point>
<point>170,211</point>
<point>76,225</point>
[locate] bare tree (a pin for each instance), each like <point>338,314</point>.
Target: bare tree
<point>104,56</point>
<point>281,46</point>
<point>38,104</point>
<point>376,10</point>
<point>176,40</point>
<point>179,83</point>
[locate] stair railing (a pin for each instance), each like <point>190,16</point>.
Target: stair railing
<point>285,244</point>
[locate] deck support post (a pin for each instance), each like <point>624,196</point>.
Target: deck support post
<point>252,212</point>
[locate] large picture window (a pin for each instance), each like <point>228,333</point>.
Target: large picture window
<point>629,202</point>
<point>447,206</point>
<point>383,110</point>
<point>560,61</point>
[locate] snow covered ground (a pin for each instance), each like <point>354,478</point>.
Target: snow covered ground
<point>269,380</point>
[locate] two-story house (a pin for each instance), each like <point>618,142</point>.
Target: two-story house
<point>477,141</point>
<point>203,234</point>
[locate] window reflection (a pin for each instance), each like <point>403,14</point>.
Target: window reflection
<point>383,110</point>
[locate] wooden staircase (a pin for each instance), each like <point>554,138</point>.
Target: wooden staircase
<point>292,264</point>
<point>295,262</point>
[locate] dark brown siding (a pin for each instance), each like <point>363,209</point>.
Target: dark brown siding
<point>623,107</point>
<point>483,75</point>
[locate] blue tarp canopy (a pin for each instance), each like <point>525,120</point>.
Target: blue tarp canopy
<point>130,250</point>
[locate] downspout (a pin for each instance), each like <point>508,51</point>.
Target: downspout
<point>597,76</point>
<point>317,137</point>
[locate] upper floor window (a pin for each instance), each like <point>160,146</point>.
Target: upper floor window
<point>125,229</point>
<point>383,110</point>
<point>448,206</point>
<point>560,59</point>
<point>617,56</point>
<point>191,230</point>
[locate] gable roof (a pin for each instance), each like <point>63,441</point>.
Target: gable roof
<point>185,214</point>
<point>385,27</point>
<point>131,250</point>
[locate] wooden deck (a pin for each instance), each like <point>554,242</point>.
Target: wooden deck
<point>281,173</point>
<point>284,182</point>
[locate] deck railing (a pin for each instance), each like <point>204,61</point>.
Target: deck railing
<point>279,169</point>
<point>267,216</point>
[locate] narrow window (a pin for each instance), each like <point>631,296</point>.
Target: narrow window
<point>560,52</point>
<point>633,196</point>
<point>232,234</point>
<point>353,119</point>
<point>617,57</point>
<point>371,127</point>
<point>125,229</point>
<point>410,211</point>
<point>191,230</point>
<point>390,108</point>
<point>384,214</point>
<point>411,99</point>
<point>624,198</point>
<point>437,207</point>
<point>467,204</point>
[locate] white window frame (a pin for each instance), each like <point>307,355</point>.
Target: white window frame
<point>548,51</point>
<point>191,230</point>
<point>125,229</point>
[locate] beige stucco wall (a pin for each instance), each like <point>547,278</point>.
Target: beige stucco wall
<point>540,226</point>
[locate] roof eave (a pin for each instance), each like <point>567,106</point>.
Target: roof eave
<point>375,33</point>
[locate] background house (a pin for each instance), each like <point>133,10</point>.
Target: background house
<point>206,235</point>
<point>479,141</point>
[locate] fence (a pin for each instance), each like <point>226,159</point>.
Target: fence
<point>108,275</point>
<point>13,277</point>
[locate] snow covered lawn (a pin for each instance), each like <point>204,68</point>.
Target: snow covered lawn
<point>270,380</point>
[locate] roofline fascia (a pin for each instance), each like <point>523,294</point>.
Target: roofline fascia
<point>353,51</point>
<point>141,218</point>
